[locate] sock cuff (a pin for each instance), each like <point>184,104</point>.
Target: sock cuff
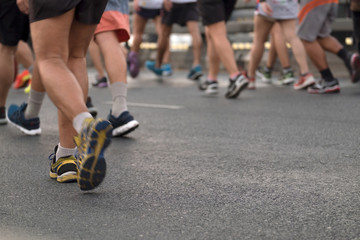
<point>36,96</point>
<point>79,119</point>
<point>63,152</point>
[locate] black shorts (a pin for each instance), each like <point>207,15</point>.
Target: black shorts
<point>148,13</point>
<point>180,13</point>
<point>86,11</point>
<point>214,11</point>
<point>14,25</point>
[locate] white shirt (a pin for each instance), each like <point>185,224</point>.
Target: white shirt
<point>150,4</point>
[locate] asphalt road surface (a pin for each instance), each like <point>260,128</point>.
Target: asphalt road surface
<point>273,164</point>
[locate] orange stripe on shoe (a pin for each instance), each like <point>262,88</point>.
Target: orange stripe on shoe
<point>311,5</point>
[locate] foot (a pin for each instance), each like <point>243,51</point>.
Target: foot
<point>323,87</point>
<point>304,82</point>
<point>100,82</point>
<point>123,124</point>
<point>236,86</point>
<point>355,65</point>
<point>16,116</point>
<point>195,73</point>
<point>91,143</point>
<point>3,119</point>
<point>134,64</point>
<point>151,65</point>
<point>209,87</point>
<point>264,75</point>
<point>287,77</point>
<point>166,70</point>
<point>64,170</point>
<point>22,79</point>
<point>91,108</point>
<point>252,84</point>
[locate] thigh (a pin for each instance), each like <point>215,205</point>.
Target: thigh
<point>139,24</point>
<point>262,28</point>
<point>193,28</point>
<point>49,31</point>
<point>288,28</point>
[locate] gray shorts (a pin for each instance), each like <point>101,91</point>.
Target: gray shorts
<point>86,11</point>
<point>316,23</point>
<point>281,10</point>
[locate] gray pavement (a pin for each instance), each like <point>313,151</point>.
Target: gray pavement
<point>273,164</point>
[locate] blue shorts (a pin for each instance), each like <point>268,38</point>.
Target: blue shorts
<point>148,13</point>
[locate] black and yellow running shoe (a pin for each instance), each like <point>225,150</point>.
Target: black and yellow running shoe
<point>64,170</point>
<point>92,142</point>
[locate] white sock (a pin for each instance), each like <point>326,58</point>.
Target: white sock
<point>35,101</point>
<point>64,152</point>
<point>119,93</point>
<point>79,119</point>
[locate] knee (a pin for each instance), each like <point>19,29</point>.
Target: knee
<point>7,50</point>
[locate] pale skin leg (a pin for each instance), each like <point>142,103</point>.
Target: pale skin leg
<point>138,30</point>
<point>330,44</point>
<point>288,27</point>
<point>213,58</point>
<point>7,71</point>
<point>24,54</point>
<point>217,32</point>
<point>193,29</point>
<point>278,48</point>
<point>115,60</point>
<point>316,54</point>
<point>166,57</point>
<point>262,29</point>
<point>95,55</point>
<point>162,44</point>
<point>62,67</point>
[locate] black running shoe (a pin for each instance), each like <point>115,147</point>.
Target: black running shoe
<point>100,82</point>
<point>323,87</point>
<point>3,119</point>
<point>123,124</point>
<point>209,87</point>
<point>64,170</point>
<point>355,65</point>
<point>236,86</point>
<point>91,108</point>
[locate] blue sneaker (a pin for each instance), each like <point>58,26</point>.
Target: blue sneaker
<point>123,124</point>
<point>151,66</point>
<point>166,70</point>
<point>28,126</point>
<point>195,73</point>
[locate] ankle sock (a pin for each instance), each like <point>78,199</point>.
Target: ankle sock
<point>79,119</point>
<point>64,152</point>
<point>119,94</point>
<point>346,57</point>
<point>34,104</point>
<point>326,74</point>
